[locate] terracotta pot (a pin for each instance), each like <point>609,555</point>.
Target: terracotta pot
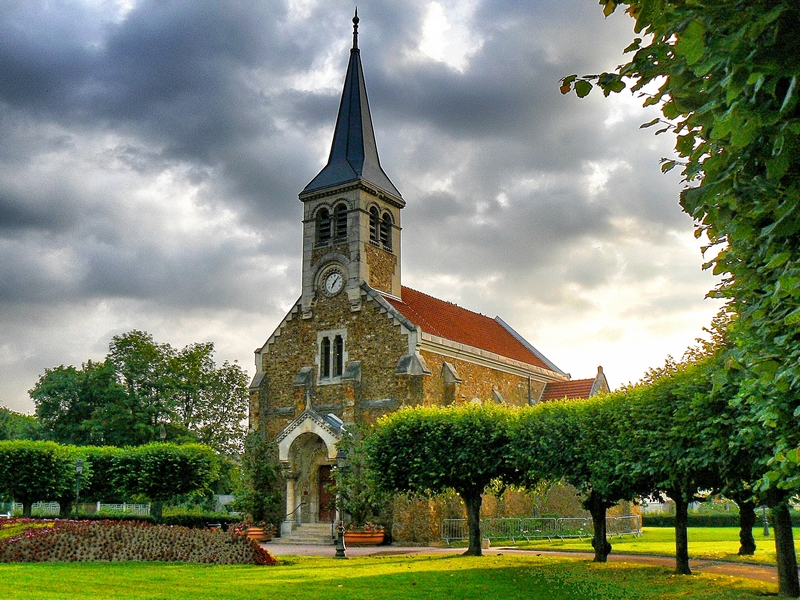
<point>258,534</point>
<point>363,538</point>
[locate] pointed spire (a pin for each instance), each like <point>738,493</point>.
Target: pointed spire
<point>354,154</point>
<point>355,30</point>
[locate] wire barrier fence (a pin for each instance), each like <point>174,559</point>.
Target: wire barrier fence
<point>52,509</point>
<point>534,528</point>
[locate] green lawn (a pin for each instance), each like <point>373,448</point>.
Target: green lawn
<point>406,577</point>
<point>704,542</point>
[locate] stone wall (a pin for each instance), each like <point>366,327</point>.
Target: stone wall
<point>382,266</point>
<point>372,338</point>
<point>477,381</point>
<point>377,343</point>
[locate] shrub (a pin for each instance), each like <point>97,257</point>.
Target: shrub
<point>84,541</point>
<point>198,520</point>
<point>695,520</point>
<point>35,471</point>
<point>110,515</point>
<point>163,471</point>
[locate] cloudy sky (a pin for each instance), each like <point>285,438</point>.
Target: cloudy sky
<point>151,153</point>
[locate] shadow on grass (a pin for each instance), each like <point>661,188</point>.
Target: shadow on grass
<point>376,578</point>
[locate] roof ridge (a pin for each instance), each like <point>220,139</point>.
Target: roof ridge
<point>445,302</point>
<point>451,321</point>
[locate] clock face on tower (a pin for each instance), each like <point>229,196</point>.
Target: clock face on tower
<point>332,282</point>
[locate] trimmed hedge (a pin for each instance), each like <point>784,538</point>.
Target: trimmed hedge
<point>729,520</point>
<point>115,516</point>
<point>196,521</point>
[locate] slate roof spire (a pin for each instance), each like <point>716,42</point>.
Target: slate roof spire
<point>354,154</point>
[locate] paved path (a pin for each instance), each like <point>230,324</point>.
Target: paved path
<point>768,573</point>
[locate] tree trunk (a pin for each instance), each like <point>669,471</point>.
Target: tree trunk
<point>681,533</point>
<point>747,519</point>
<point>65,507</point>
<point>473,503</point>
<point>600,543</point>
<point>27,509</point>
<point>156,509</point>
<point>788,586</point>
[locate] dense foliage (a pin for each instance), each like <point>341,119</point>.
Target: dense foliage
<point>360,499</point>
<point>45,471</point>
<point>34,471</point>
<point>81,541</point>
<point>260,486</point>
<point>16,426</point>
<point>163,471</point>
<point>432,450</point>
<point>141,390</point>
<point>577,442</point>
<point>726,77</point>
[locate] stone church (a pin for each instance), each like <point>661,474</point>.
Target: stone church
<point>358,344</point>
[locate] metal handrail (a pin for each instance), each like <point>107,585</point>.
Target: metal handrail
<point>299,506</point>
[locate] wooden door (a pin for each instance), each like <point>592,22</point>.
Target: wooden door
<point>326,497</point>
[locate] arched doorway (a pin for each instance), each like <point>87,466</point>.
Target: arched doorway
<point>311,470</point>
<point>307,451</point>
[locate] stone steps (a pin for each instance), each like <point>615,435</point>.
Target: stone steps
<point>310,533</point>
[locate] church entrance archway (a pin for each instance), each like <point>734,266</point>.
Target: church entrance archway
<point>307,451</point>
<point>309,464</point>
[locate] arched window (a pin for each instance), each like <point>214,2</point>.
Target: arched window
<point>338,356</point>
<point>374,220</point>
<point>340,222</point>
<point>323,226</point>
<point>332,355</point>
<point>325,357</point>
<point>386,231</point>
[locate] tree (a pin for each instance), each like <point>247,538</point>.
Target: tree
<point>17,426</point>
<point>355,486</point>
<point>259,490</point>
<point>75,405</point>
<point>577,442</point>
<point>142,367</point>
<point>141,388</point>
<point>430,450</point>
<point>727,76</point>
<point>104,485</point>
<point>162,471</point>
<point>34,472</point>
<point>209,401</point>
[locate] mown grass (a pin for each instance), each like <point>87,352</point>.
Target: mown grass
<point>407,577</point>
<point>704,542</point>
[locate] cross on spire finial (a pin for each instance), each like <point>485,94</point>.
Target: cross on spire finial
<point>355,30</point>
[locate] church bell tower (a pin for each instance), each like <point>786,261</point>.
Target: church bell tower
<point>351,210</point>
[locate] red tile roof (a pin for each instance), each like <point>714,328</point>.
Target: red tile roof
<point>452,322</point>
<point>577,388</point>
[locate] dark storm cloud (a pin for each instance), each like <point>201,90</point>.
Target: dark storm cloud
<point>150,161</point>
<point>22,213</point>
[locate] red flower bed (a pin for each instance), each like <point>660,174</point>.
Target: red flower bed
<point>82,541</point>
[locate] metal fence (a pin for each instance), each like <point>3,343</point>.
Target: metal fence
<point>136,509</point>
<point>48,509</point>
<point>44,509</point>
<point>530,528</point>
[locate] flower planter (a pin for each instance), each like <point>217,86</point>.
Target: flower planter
<point>363,538</point>
<point>258,534</point>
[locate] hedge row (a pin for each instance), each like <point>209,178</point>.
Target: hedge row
<point>45,471</point>
<point>194,520</point>
<point>731,520</point>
